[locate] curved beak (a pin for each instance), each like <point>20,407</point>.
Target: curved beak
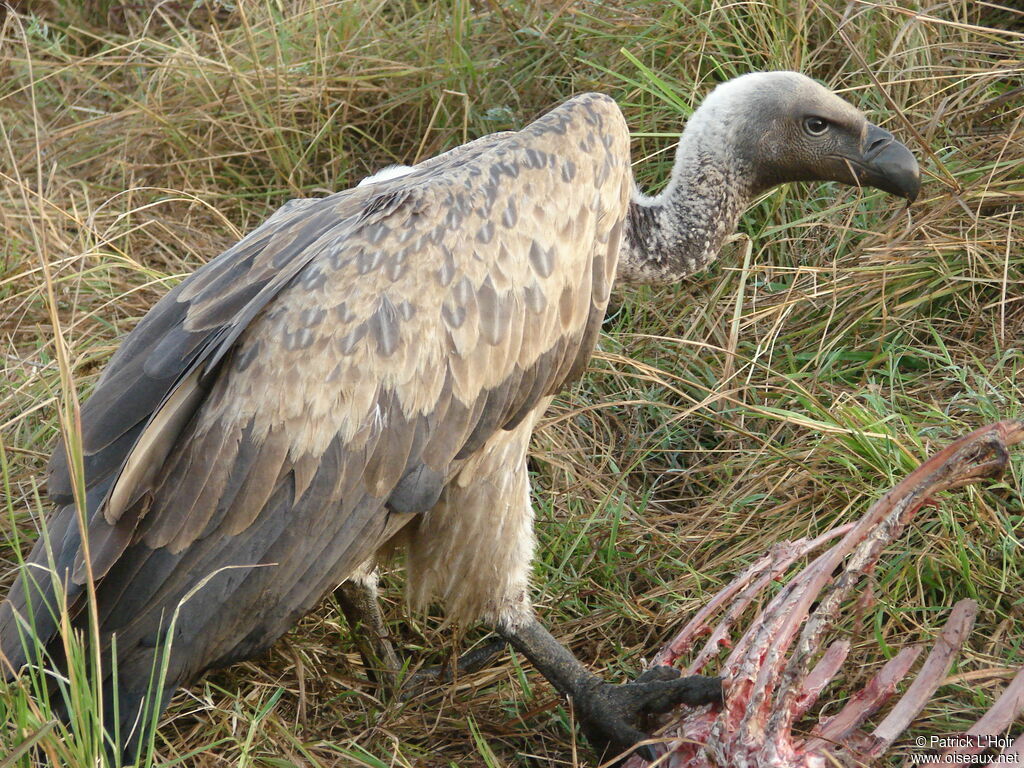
<point>887,165</point>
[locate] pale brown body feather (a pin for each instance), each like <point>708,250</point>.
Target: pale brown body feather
<point>362,363</point>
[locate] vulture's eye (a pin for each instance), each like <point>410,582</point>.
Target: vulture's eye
<point>815,126</point>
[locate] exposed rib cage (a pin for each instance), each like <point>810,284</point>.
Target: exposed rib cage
<point>774,673</point>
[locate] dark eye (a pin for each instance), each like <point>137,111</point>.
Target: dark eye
<point>815,126</point>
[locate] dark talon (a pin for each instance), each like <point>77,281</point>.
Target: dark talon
<point>693,691</point>
<point>467,663</point>
<point>647,752</point>
<point>607,712</point>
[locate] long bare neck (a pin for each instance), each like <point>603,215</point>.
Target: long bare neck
<point>682,230</point>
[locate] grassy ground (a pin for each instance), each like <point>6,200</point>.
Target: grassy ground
<point>836,344</point>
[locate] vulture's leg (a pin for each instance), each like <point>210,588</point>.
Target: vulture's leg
<point>474,549</point>
<point>358,600</point>
<point>608,713</point>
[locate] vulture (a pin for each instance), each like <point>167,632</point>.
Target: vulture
<point>364,371</point>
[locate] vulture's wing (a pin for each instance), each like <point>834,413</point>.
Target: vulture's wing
<point>168,343</point>
<point>336,365</point>
<point>205,311</point>
<point>159,363</point>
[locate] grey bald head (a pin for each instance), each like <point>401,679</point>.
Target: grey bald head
<point>750,134</point>
<point>790,128</point>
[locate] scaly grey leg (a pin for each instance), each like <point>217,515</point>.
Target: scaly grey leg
<point>360,604</point>
<point>467,663</point>
<point>607,712</point>
<point>359,601</point>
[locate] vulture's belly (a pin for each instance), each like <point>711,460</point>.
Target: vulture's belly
<point>473,549</point>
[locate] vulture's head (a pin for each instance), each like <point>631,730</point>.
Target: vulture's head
<point>786,127</point>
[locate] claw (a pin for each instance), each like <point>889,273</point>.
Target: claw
<point>606,712</point>
<point>471,661</point>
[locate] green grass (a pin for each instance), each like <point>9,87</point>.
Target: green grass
<point>835,345</point>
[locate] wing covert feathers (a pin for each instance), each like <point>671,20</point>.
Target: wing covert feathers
<point>346,356</point>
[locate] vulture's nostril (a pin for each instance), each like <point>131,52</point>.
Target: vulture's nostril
<point>877,146</point>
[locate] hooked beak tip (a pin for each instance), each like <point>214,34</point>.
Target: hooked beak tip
<point>889,165</point>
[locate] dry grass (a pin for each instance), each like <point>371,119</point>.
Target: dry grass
<point>831,349</point>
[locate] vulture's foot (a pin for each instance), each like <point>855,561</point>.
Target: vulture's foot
<point>608,713</point>
<point>358,601</point>
<point>471,661</point>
